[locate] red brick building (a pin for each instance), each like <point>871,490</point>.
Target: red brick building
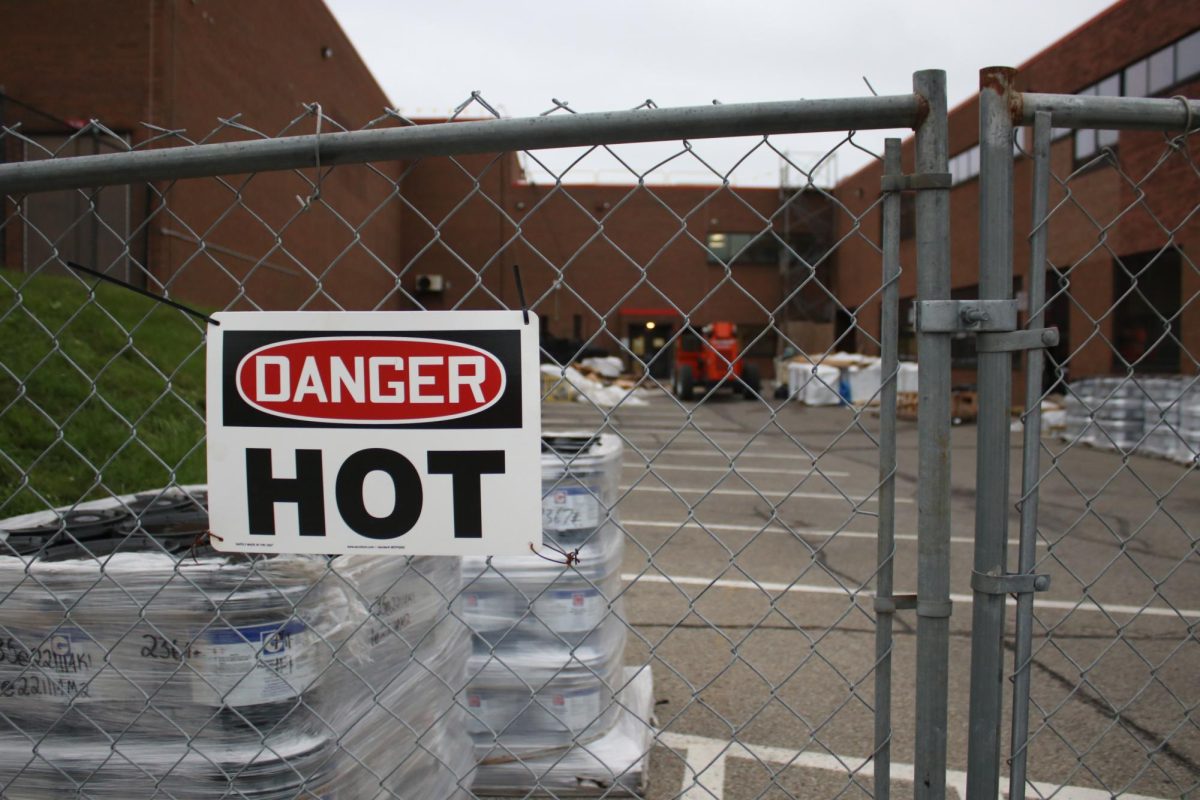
<point>179,66</point>
<point>446,238</point>
<point>1103,233</point>
<point>599,262</point>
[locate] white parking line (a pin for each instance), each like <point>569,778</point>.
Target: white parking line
<point>828,534</point>
<point>704,774</point>
<point>739,456</point>
<point>692,468</point>
<point>701,428</point>
<point>753,493</point>
<point>808,588</point>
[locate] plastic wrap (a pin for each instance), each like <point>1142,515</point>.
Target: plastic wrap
<point>531,696</point>
<point>814,386</point>
<point>157,660</point>
<point>1153,416</point>
<point>282,767</point>
<point>530,597</point>
<point>615,763</point>
<point>549,636</point>
<point>907,377</point>
<point>865,382</point>
<point>580,481</point>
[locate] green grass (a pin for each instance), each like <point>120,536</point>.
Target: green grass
<point>100,393</point>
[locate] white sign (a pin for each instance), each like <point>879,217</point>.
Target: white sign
<point>406,432</point>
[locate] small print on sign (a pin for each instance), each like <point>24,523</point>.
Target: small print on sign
<point>410,433</point>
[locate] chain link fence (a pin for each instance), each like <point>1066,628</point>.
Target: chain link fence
<point>723,480</point>
<point>1105,656</point>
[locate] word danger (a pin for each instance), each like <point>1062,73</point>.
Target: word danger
<point>370,380</point>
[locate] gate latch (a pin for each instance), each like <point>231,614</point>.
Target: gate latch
<point>994,323</point>
<point>1009,583</point>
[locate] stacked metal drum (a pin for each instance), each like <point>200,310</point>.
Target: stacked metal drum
<point>549,635</point>
<point>1153,415</point>
<point>137,662</point>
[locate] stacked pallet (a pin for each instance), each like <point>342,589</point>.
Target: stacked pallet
<point>133,658</point>
<point>550,638</point>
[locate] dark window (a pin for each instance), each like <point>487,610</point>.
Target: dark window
<point>1057,315</point>
<point>1170,66</point>
<point>759,340</point>
<point>1162,70</point>
<point>845,329</point>
<point>1146,297</point>
<point>743,248</point>
<point>1136,79</point>
<point>762,247</point>
<point>1187,57</point>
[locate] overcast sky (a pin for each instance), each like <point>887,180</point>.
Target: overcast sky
<point>519,54</point>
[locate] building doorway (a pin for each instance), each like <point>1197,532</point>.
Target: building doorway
<point>1146,291</point>
<point>650,341</point>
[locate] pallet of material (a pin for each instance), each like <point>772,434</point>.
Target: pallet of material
<point>612,766</point>
<point>964,406</point>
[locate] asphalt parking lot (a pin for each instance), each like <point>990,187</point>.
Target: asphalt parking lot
<point>749,568</point>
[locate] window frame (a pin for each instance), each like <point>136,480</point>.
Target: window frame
<point>1135,79</point>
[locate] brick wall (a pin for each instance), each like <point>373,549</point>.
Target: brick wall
<point>1123,34</point>
<point>181,65</point>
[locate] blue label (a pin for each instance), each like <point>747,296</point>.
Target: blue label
<point>272,635</point>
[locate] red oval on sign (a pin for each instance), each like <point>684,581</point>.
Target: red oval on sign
<point>370,380</point>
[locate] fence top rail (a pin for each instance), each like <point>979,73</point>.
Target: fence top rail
<point>1128,113</point>
<point>464,138</point>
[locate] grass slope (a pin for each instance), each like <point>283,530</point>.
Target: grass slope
<point>100,393</point>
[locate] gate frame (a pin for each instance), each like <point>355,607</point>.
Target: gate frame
<point>1004,109</point>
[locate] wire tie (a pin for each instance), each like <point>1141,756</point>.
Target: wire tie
<point>138,290</point>
<point>306,203</point>
<point>521,293</point>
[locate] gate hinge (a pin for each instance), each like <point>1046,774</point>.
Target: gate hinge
<point>915,183</point>
<point>897,602</point>
<point>994,322</point>
<point>1010,583</point>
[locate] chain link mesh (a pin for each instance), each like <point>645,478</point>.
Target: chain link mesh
<point>747,525</point>
<point>1114,661</point>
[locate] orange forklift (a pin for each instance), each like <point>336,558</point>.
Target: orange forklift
<point>713,356</point>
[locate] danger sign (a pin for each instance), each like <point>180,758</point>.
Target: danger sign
<point>399,432</point>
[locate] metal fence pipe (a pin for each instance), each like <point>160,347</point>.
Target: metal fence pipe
<point>992,463</point>
<point>933,423</point>
<point>1030,464</point>
<point>885,545</point>
<point>1133,113</point>
<point>461,138</point>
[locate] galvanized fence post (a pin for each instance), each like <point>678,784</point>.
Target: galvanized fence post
<point>933,422</point>
<point>995,397</point>
<point>1030,464</point>
<point>885,547</point>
